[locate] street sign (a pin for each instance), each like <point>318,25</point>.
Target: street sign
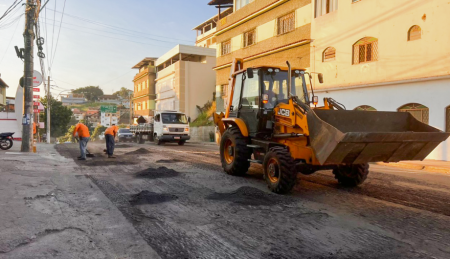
<point>37,78</point>
<point>36,90</point>
<point>108,109</point>
<point>36,103</point>
<point>36,111</point>
<point>36,96</point>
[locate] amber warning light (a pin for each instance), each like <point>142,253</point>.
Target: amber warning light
<point>265,98</point>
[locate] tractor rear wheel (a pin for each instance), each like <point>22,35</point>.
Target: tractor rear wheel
<point>279,170</point>
<point>351,175</point>
<point>234,153</point>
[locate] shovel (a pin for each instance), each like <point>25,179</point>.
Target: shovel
<point>88,154</point>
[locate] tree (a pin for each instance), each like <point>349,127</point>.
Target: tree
<point>97,131</point>
<point>59,116</point>
<point>124,93</point>
<point>91,93</point>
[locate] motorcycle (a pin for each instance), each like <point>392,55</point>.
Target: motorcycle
<point>6,140</point>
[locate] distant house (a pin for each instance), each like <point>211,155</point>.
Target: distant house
<point>79,115</point>
<point>3,87</point>
<point>72,99</point>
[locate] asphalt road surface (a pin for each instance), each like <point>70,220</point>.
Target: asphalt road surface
<point>184,206</point>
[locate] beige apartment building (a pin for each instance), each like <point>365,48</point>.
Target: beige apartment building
<point>185,78</point>
<point>262,32</point>
<point>143,101</point>
<point>385,55</point>
<point>206,30</point>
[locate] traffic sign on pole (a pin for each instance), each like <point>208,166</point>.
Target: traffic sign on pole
<point>37,78</point>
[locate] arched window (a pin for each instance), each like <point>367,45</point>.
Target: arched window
<point>447,119</point>
<point>414,33</point>
<point>365,108</point>
<point>329,54</point>
<point>365,50</point>
<point>418,111</point>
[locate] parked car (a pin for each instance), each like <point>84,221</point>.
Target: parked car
<point>125,135</point>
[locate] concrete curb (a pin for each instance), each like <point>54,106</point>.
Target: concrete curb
<point>433,169</point>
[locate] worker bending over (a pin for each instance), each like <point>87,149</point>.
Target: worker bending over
<point>110,136</point>
<point>83,134</point>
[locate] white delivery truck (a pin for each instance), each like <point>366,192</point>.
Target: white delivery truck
<point>167,126</point>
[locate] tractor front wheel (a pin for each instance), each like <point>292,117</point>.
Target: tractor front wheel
<point>234,153</point>
<point>279,170</point>
<point>351,175</point>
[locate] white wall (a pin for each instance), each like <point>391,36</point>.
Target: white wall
<point>435,94</point>
<point>200,84</point>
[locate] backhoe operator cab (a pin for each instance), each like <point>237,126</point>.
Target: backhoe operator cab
<point>270,120</point>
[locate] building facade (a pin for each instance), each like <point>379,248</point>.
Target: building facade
<point>185,79</point>
<point>3,87</point>
<point>394,58</point>
<point>72,99</point>
<point>108,119</point>
<point>206,30</point>
<point>144,89</point>
<point>262,32</point>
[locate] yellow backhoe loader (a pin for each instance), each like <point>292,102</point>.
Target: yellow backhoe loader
<point>270,120</point>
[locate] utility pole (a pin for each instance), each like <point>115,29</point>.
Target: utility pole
<point>49,99</point>
<point>27,132</point>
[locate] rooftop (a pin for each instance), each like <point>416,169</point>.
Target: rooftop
<point>3,84</point>
<point>144,62</point>
<point>185,49</point>
<point>213,19</point>
<point>220,2</point>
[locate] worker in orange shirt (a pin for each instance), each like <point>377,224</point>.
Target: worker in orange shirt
<point>110,136</point>
<point>82,132</point>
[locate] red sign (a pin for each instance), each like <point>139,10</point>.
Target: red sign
<point>36,90</point>
<point>36,111</point>
<point>36,103</point>
<point>36,96</point>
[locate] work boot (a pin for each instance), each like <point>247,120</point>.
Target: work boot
<point>81,158</point>
<point>111,156</point>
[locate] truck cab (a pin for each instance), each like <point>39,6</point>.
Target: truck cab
<point>170,126</point>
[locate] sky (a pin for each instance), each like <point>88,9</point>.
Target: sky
<point>99,41</point>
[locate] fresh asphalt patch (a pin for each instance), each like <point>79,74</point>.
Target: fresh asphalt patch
<point>147,197</point>
<point>160,172</point>
<point>122,146</point>
<point>167,161</point>
<point>141,151</point>
<point>250,196</point>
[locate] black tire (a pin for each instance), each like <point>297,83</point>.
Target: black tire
<point>351,175</point>
<point>279,170</point>
<point>235,162</point>
<point>4,144</point>
<point>181,142</point>
<point>157,140</point>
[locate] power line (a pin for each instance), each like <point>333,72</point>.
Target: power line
<point>120,28</point>
<point>53,39</point>
<point>7,48</point>
<point>14,5</point>
<point>116,38</point>
<point>59,32</point>
<point>115,33</point>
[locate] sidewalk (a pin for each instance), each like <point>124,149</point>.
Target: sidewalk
<point>50,209</point>
<point>435,166</point>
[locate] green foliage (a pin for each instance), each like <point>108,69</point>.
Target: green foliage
<point>124,93</point>
<point>68,136</point>
<point>85,106</point>
<point>91,93</point>
<point>97,131</point>
<point>122,126</point>
<point>60,116</point>
<point>205,116</point>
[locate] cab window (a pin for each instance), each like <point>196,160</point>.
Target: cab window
<point>250,93</point>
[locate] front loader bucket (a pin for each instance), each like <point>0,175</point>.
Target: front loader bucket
<point>357,137</point>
